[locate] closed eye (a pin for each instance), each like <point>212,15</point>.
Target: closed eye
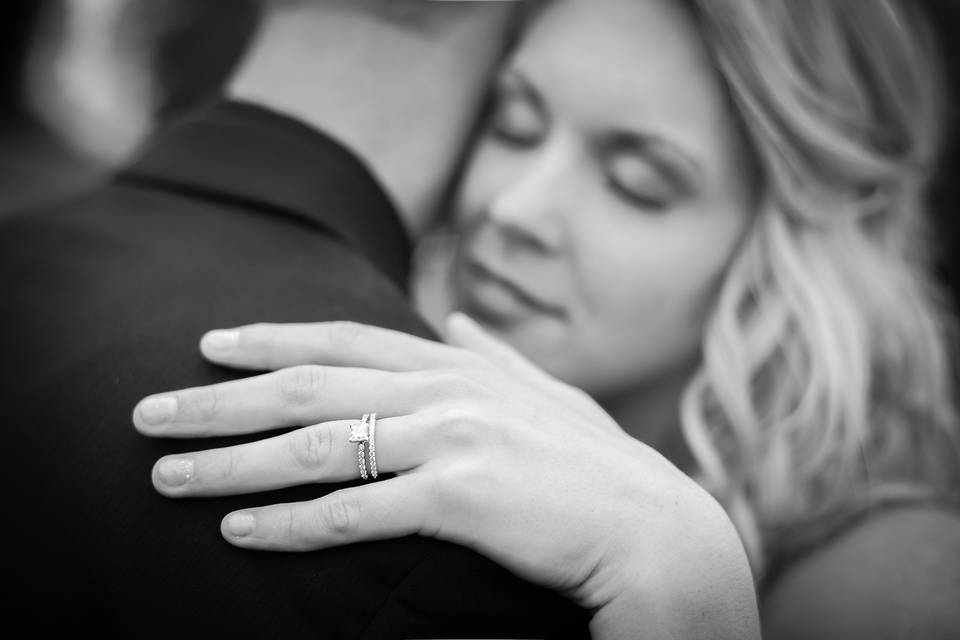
<point>638,182</point>
<point>517,116</point>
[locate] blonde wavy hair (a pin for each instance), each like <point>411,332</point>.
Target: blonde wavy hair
<point>826,380</point>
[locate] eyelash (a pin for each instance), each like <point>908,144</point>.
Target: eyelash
<point>632,198</point>
<point>520,142</point>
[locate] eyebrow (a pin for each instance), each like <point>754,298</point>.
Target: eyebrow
<point>678,166</point>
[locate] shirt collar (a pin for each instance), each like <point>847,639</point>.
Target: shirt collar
<point>240,152</point>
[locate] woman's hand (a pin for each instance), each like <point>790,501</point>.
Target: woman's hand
<point>482,449</point>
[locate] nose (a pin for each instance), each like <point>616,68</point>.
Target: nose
<point>531,206</point>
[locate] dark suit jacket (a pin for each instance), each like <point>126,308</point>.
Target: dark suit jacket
<point>235,215</point>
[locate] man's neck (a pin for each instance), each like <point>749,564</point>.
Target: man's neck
<point>404,99</point>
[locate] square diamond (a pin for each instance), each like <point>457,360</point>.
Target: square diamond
<point>359,432</point>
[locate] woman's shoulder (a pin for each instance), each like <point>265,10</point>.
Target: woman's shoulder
<point>895,574</point>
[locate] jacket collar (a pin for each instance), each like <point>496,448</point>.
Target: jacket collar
<point>245,154</point>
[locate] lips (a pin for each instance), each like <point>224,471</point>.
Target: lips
<point>499,298</point>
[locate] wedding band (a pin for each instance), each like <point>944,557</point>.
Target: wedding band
<point>360,433</point>
<point>372,447</point>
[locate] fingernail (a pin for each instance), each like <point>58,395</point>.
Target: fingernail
<point>158,411</point>
<point>221,341</point>
<point>240,524</point>
<point>175,472</point>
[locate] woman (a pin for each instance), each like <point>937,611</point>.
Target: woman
<point>710,219</point>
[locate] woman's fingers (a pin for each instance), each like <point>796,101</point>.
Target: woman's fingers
<point>463,331</point>
<point>351,344</point>
<point>393,508</point>
<point>289,397</point>
<point>318,453</point>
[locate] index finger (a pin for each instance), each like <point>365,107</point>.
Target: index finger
<point>292,396</point>
<point>269,346</point>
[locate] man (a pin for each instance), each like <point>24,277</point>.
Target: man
<point>35,165</point>
<point>256,209</point>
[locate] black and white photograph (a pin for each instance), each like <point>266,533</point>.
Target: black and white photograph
<point>480,319</point>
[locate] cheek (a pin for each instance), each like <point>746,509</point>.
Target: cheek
<point>484,176</point>
<point>655,284</point>
<point>655,302</point>
<point>644,300</point>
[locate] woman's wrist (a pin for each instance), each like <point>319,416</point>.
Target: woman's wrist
<point>690,578</point>
<point>721,607</point>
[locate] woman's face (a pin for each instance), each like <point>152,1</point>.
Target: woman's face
<point>606,196</point>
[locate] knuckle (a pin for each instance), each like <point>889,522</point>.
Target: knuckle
<point>429,380</point>
<point>260,335</point>
<point>459,426</point>
<point>461,415</point>
<point>338,515</point>
<point>458,382</point>
<point>228,464</point>
<point>451,384</point>
<point>290,520</point>
<point>298,527</point>
<point>202,402</point>
<point>302,384</point>
<point>457,485</point>
<point>311,447</point>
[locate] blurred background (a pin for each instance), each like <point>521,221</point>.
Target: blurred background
<point>84,82</point>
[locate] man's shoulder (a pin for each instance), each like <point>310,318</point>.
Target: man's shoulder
<point>135,276</point>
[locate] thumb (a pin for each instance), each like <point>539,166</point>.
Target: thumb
<point>463,331</point>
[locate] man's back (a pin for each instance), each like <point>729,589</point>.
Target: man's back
<point>237,216</point>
